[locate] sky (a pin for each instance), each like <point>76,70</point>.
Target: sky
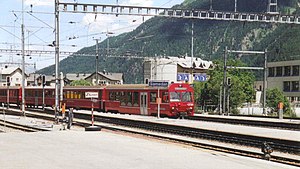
<point>76,30</point>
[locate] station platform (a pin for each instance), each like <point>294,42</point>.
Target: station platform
<point>106,150</point>
<point>238,129</point>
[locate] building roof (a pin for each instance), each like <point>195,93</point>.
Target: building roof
<point>10,70</point>
<point>186,62</point>
<point>76,76</point>
<point>111,76</point>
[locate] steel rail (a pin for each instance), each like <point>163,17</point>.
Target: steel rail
<point>252,122</point>
<point>22,127</point>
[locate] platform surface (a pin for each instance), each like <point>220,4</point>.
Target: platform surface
<point>105,150</point>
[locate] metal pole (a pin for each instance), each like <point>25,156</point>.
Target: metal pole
<point>57,85</point>
<point>34,74</point>
<point>192,51</point>
<point>97,61</point>
<point>7,97</point>
<point>3,116</point>
<point>23,61</point>
<point>92,113</point>
<point>43,106</point>
<point>265,82</point>
<point>220,100</point>
<point>235,5</point>
<point>224,81</point>
<point>107,45</point>
<point>228,101</point>
<point>158,104</point>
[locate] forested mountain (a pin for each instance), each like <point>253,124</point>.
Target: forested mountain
<point>161,36</point>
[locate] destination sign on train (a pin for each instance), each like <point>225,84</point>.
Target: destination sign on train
<point>157,83</point>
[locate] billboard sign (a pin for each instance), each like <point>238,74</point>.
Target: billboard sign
<point>200,77</point>
<point>91,94</point>
<point>183,77</point>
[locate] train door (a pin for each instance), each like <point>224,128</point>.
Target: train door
<point>143,103</point>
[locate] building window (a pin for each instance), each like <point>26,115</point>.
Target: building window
<point>271,72</point>
<point>295,86</point>
<point>278,71</point>
<point>287,70</point>
<point>286,86</point>
<point>296,70</point>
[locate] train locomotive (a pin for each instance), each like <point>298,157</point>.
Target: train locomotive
<point>177,99</point>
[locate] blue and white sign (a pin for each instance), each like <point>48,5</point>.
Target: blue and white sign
<point>200,77</point>
<point>183,77</point>
<point>156,83</point>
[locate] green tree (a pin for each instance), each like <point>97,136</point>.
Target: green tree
<point>80,82</point>
<point>241,88</point>
<point>274,96</point>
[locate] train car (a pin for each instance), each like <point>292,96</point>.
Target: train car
<point>14,93</point>
<point>175,100</point>
<point>83,97</point>
<point>34,96</point>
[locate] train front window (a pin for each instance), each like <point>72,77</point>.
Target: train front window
<point>175,96</point>
<point>186,97</point>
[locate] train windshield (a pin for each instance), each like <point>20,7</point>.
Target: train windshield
<point>180,96</point>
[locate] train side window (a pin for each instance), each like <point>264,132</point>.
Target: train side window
<point>153,96</point>
<point>122,99</point>
<point>117,96</point>
<point>129,98</point>
<point>112,95</point>
<point>79,95</point>
<point>68,95</point>
<point>71,94</point>
<point>100,95</point>
<point>165,97</point>
<point>136,99</point>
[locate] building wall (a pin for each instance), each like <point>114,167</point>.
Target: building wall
<point>160,69</point>
<point>285,76</point>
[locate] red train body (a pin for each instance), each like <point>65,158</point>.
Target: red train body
<point>175,100</point>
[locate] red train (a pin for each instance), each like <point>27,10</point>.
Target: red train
<point>175,100</point>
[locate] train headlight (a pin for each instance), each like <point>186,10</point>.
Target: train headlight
<point>173,108</point>
<point>190,104</point>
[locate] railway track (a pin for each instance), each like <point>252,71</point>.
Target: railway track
<point>252,122</point>
<point>148,128</point>
<point>21,127</point>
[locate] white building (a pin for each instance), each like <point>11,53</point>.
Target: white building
<point>14,74</point>
<point>176,69</point>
